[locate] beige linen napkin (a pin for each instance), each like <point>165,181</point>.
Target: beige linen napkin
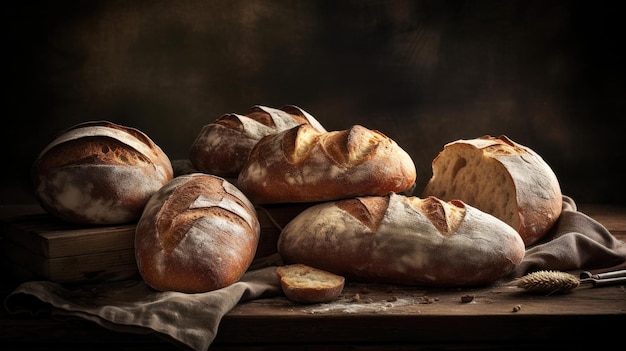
<point>576,242</point>
<point>188,320</point>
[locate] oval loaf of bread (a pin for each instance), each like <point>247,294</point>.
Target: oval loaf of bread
<point>502,178</point>
<point>302,164</point>
<point>99,172</point>
<point>198,233</point>
<point>305,284</point>
<point>222,147</point>
<point>403,240</point>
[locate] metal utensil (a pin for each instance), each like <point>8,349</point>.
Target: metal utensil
<point>603,279</point>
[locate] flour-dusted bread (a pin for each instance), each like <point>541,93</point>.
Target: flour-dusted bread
<point>403,240</point>
<point>305,284</point>
<point>302,164</point>
<point>502,178</point>
<point>198,233</point>
<point>222,147</point>
<point>99,172</point>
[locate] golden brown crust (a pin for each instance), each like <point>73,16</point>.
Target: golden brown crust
<point>304,165</point>
<point>369,210</point>
<point>198,233</point>
<point>99,172</point>
<point>222,147</point>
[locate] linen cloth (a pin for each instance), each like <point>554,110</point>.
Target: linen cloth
<point>576,242</point>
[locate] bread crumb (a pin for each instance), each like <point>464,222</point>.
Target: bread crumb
<point>356,297</point>
<point>467,298</point>
<point>428,300</point>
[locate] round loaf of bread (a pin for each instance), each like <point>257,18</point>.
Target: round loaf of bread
<point>99,172</point>
<point>303,165</point>
<point>222,147</point>
<point>198,233</point>
<point>501,177</point>
<point>403,240</point>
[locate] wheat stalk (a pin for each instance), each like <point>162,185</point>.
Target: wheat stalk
<point>547,282</point>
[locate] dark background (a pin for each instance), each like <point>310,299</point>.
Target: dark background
<point>548,74</point>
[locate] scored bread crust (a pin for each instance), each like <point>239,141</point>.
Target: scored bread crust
<point>198,233</point>
<point>306,284</point>
<point>501,177</point>
<point>222,147</point>
<point>99,172</point>
<point>302,164</point>
<point>403,240</point>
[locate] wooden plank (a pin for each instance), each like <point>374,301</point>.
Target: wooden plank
<point>395,314</point>
<point>496,299</point>
<point>99,267</point>
<point>46,236</point>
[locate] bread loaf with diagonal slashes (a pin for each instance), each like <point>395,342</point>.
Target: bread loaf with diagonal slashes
<point>501,177</point>
<point>302,164</point>
<point>99,172</point>
<point>222,147</point>
<point>198,233</point>
<point>403,240</point>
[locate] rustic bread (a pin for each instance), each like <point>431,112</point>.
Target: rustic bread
<point>222,147</point>
<point>502,178</point>
<point>403,240</point>
<point>302,164</point>
<point>306,284</point>
<point>99,172</point>
<point>198,233</point>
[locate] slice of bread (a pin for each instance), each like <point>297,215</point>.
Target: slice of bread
<point>305,284</point>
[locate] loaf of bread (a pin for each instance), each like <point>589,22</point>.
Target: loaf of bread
<point>99,172</point>
<point>305,284</point>
<point>302,164</point>
<point>405,240</point>
<point>501,177</point>
<point>222,147</point>
<point>198,233</point>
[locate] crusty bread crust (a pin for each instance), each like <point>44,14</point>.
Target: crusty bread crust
<point>306,284</point>
<point>403,240</point>
<point>198,233</point>
<point>303,165</point>
<point>99,172</point>
<point>502,178</point>
<point>222,147</point>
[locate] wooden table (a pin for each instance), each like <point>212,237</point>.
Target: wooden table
<point>372,317</point>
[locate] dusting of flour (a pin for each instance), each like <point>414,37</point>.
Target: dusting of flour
<point>349,306</point>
